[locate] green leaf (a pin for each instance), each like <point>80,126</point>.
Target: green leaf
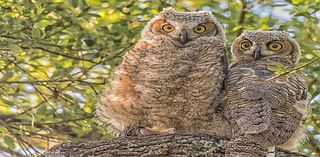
<point>36,33</point>
<point>15,48</point>
<point>236,28</point>
<point>9,141</point>
<point>277,69</point>
<point>295,2</point>
<point>3,130</point>
<point>6,76</point>
<point>42,110</point>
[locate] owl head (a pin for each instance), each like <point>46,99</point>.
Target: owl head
<point>184,28</point>
<point>259,45</point>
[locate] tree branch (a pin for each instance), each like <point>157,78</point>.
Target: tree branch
<point>243,12</point>
<point>156,145</point>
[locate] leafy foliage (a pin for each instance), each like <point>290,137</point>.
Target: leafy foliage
<point>57,56</point>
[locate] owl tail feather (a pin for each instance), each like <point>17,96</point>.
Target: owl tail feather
<point>243,147</point>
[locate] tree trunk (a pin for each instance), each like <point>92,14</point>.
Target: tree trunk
<point>151,146</point>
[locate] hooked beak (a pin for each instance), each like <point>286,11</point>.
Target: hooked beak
<point>183,37</point>
<point>257,53</point>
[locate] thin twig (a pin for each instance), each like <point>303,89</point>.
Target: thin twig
<point>59,46</point>
<point>61,54</point>
<point>23,70</point>
<point>164,2</point>
<point>23,149</point>
<point>12,153</point>
<point>29,146</point>
<point>11,37</point>
<point>47,50</point>
<point>22,144</point>
<point>59,122</point>
<point>50,81</point>
<point>35,133</point>
<point>293,70</point>
<point>68,85</point>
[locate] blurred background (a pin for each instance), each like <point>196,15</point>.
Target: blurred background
<point>56,57</point>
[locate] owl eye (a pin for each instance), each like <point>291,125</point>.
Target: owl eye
<point>245,45</point>
<point>275,46</point>
<point>167,28</point>
<point>199,29</point>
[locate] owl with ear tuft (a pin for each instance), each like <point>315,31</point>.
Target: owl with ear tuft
<point>264,110</point>
<point>172,78</point>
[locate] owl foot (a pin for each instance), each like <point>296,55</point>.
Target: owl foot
<point>157,130</point>
<point>133,130</point>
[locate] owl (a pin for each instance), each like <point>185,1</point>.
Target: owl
<point>171,81</point>
<point>264,110</point>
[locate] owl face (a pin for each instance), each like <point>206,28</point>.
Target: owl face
<point>257,45</point>
<point>183,28</point>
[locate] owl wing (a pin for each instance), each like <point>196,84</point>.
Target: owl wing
<point>120,107</point>
<point>254,107</point>
<point>245,108</point>
<point>291,89</point>
<point>249,116</point>
<point>281,100</point>
<point>288,99</point>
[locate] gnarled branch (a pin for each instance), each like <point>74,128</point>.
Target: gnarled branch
<point>156,145</point>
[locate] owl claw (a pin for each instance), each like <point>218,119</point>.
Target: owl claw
<point>157,130</point>
<point>133,130</point>
<point>171,130</point>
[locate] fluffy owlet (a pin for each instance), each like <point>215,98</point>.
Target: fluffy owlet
<point>264,110</point>
<point>170,81</point>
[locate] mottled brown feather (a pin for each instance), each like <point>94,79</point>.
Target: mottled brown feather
<point>267,112</point>
<point>164,86</point>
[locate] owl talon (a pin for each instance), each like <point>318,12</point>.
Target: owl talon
<point>157,130</point>
<point>134,130</point>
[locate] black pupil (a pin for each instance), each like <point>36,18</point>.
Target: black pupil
<point>274,46</point>
<point>199,28</point>
<point>169,27</point>
<point>246,45</point>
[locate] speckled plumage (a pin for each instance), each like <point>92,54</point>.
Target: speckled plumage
<point>264,110</point>
<point>166,84</point>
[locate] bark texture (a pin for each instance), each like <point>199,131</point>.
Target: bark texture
<point>200,145</point>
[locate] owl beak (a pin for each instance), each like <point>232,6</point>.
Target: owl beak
<point>183,37</point>
<point>257,53</point>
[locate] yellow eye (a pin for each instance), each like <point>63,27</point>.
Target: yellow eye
<point>245,45</point>
<point>275,46</point>
<point>200,29</point>
<point>167,28</point>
